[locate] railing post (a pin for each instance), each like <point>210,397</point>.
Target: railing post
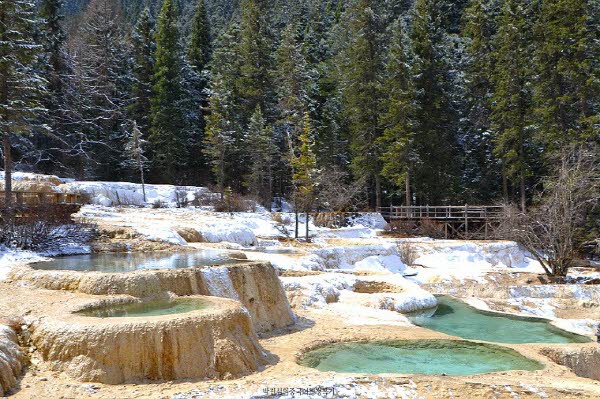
<point>466,219</point>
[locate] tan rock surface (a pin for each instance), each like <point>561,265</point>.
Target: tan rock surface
<point>256,286</point>
<point>12,359</point>
<point>216,342</point>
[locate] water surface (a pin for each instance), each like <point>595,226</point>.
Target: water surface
<point>417,357</point>
<point>128,262</point>
<point>157,307</point>
<point>454,317</point>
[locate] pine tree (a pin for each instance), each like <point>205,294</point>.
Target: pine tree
<point>260,179</point>
<point>304,165</point>
<point>53,146</point>
<point>197,78</point>
<point>254,84</point>
<point>21,86</point>
<point>200,46</point>
<point>293,86</point>
<point>436,170</point>
<point>167,133</point>
<point>134,148</point>
<point>360,73</point>
<point>567,73</point>
<point>223,138</point>
<point>143,69</point>
<point>481,168</point>
<point>399,120</point>
<point>512,98</point>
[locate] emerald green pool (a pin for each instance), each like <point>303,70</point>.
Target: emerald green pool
<point>454,317</point>
<point>417,357</point>
<point>157,307</point>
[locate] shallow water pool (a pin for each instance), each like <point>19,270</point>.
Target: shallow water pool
<point>128,262</point>
<point>417,357</point>
<point>157,307</point>
<point>454,317</point>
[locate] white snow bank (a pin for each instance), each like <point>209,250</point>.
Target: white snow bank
<point>403,302</point>
<point>316,291</point>
<point>470,259</point>
<point>230,232</point>
<point>124,193</point>
<point>372,220</point>
<point>161,233</point>
<point>365,257</point>
<point>389,263</point>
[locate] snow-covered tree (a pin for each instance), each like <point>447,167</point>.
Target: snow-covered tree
<point>21,86</point>
<point>135,149</point>
<point>304,165</point>
<point>260,178</point>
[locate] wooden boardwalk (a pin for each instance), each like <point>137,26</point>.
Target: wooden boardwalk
<point>457,221</point>
<point>56,206</point>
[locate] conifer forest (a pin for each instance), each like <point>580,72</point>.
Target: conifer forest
<point>404,102</point>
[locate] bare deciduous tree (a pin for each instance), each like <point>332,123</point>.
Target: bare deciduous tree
<point>549,231</point>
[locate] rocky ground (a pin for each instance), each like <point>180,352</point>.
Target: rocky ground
<point>349,283</point>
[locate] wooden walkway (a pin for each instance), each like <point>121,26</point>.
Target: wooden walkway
<point>56,206</point>
<point>457,221</point>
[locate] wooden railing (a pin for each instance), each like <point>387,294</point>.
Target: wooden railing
<point>462,212</point>
<point>35,198</point>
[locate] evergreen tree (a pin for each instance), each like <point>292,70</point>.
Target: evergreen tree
<point>134,148</point>
<point>20,84</point>
<point>512,98</point>
<point>567,73</point>
<point>143,69</point>
<point>481,168</point>
<point>167,133</point>
<point>57,148</point>
<point>293,86</point>
<point>260,179</point>
<point>200,47</point>
<point>223,138</point>
<point>197,78</point>
<point>436,144</point>
<point>304,165</point>
<point>254,85</point>
<point>398,139</point>
<point>360,72</point>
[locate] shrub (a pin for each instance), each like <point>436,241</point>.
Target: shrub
<point>42,228</point>
<point>407,253</point>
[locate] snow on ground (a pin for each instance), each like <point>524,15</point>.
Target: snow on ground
<point>123,193</point>
<point>364,257</point>
<point>337,293</point>
<point>469,259</point>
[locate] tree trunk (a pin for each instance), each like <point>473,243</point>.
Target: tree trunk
<point>307,226</point>
<point>504,185</point>
<point>377,192</point>
<point>296,227</point>
<point>7,170</point>
<point>523,197</point>
<point>408,198</point>
<point>142,179</point>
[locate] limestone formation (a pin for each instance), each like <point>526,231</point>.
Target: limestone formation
<point>583,361</point>
<point>12,359</point>
<point>216,342</point>
<point>254,284</point>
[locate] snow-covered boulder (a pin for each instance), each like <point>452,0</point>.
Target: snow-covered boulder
<point>349,257</point>
<point>316,291</point>
<point>372,220</point>
<point>231,232</point>
<point>124,193</point>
